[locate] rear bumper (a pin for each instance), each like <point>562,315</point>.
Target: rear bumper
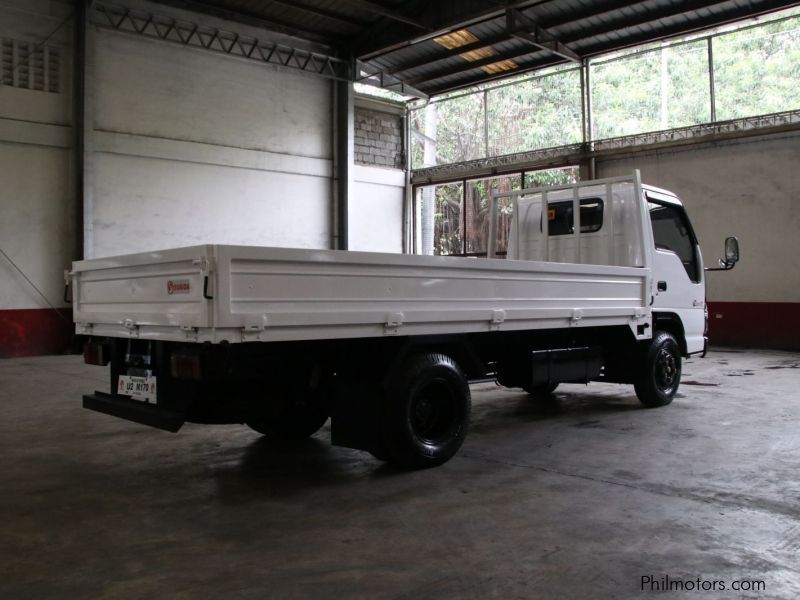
<point>134,410</point>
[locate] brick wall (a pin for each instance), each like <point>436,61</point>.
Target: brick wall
<point>379,138</point>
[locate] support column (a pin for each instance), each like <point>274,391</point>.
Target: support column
<point>711,84</point>
<point>587,169</point>
<point>344,156</point>
<point>408,193</point>
<point>83,126</point>
<point>587,162</point>
<point>427,228</point>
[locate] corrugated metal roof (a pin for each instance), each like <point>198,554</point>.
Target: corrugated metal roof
<point>394,39</point>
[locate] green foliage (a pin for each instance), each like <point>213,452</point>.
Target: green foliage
<point>661,87</point>
<point>654,90</point>
<point>537,113</point>
<point>453,219</point>
<point>448,231</point>
<point>756,71</point>
<point>534,179</point>
<point>459,134</point>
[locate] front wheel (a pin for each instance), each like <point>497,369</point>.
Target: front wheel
<point>660,373</point>
<point>427,413</point>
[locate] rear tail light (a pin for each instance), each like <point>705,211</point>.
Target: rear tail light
<point>96,353</point>
<point>186,366</point>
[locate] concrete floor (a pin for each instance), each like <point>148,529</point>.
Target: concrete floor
<point>577,497</point>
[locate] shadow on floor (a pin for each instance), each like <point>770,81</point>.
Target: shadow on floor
<point>277,469</point>
<point>511,410</point>
<point>271,468</point>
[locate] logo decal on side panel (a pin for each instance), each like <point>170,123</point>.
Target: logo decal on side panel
<point>179,286</point>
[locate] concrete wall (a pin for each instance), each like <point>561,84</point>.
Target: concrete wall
<point>195,147</point>
<point>36,200</point>
<point>377,198</point>
<point>186,147</point>
<point>749,188</point>
<point>376,209</point>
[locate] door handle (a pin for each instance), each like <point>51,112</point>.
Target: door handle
<point>662,286</point>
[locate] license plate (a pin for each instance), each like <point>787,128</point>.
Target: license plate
<point>143,388</point>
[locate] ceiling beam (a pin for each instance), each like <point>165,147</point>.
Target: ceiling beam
<point>503,37</point>
<point>440,17</point>
<point>423,62</point>
<point>517,26</point>
<point>389,13</point>
<point>610,21</point>
<point>524,28</point>
<point>472,65</point>
<point>368,75</point>
<point>321,12</point>
<point>613,23</point>
<point>632,40</point>
<point>542,63</point>
<point>253,19</point>
<point>726,16</point>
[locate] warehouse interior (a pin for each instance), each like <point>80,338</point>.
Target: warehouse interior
<point>379,126</point>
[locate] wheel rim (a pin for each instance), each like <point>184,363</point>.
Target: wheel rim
<point>666,369</point>
<point>433,412</point>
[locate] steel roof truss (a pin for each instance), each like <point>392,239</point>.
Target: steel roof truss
<point>170,29</point>
<point>524,28</point>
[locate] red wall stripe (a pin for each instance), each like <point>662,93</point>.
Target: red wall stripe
<point>34,331</point>
<point>755,324</point>
<point>31,332</point>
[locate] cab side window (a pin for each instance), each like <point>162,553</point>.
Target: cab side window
<point>561,222</point>
<point>672,232</point>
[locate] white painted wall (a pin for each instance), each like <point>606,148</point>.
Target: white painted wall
<point>152,88</point>
<point>196,147</point>
<point>376,209</point>
<point>36,223</point>
<point>188,147</point>
<point>749,188</point>
<point>36,200</point>
<point>146,204</point>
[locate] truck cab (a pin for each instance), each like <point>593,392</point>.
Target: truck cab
<point>619,222</point>
<point>679,294</point>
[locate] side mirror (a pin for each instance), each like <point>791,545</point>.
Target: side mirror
<point>731,256</point>
<point>731,251</point>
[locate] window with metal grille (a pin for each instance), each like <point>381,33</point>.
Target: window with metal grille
<point>24,65</point>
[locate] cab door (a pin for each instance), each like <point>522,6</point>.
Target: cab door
<point>678,282</point>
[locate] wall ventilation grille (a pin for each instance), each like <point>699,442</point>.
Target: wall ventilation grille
<point>24,65</point>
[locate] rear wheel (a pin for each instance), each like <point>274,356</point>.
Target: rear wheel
<point>660,373</point>
<point>427,413</point>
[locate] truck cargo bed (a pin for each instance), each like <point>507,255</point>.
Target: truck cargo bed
<point>216,293</point>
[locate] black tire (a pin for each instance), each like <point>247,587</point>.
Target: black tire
<point>427,413</point>
<point>298,421</point>
<point>542,390</point>
<point>660,371</point>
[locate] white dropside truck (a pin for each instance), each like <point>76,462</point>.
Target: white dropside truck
<point>601,280</point>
